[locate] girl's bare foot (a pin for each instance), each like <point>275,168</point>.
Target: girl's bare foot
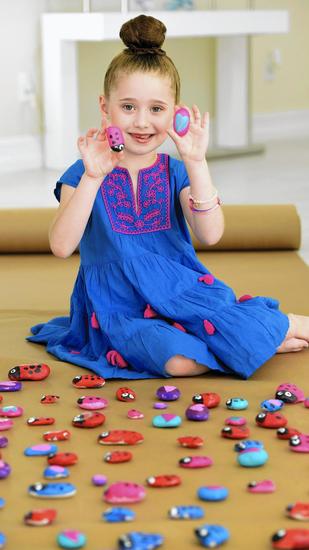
<point>299,327</point>
<point>292,344</point>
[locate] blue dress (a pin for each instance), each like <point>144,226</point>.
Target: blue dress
<point>142,296</point>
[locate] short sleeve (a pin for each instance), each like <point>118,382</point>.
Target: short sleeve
<point>180,174</point>
<point>70,177</point>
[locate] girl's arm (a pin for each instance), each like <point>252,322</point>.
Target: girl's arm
<point>76,205</point>
<point>208,226</point>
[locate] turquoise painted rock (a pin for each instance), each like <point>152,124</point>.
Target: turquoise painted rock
<point>252,458</point>
<point>166,421</point>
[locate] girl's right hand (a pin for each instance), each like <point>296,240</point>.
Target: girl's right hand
<point>99,160</point>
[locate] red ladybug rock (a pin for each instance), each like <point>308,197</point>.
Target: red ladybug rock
<point>88,381</point>
<point>291,538</point>
<point>299,511</point>
<point>120,437</point>
<point>286,432</point>
<point>41,517</point>
<point>125,394</point>
<point>163,481</point>
<point>60,435</point>
<point>235,432</point>
<point>209,399</point>
<point>48,399</point>
<point>88,419</point>
<point>116,457</point>
<point>24,372</point>
<point>62,459</point>
<point>191,442</point>
<point>270,420</point>
<point>40,421</point>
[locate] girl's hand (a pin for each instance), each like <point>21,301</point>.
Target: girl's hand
<point>193,146</point>
<point>97,156</point>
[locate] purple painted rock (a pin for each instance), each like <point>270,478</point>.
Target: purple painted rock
<point>168,393</point>
<point>197,412</point>
<point>5,469</point>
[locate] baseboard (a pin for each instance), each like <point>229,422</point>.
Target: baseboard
<point>279,126</point>
<point>20,153</point>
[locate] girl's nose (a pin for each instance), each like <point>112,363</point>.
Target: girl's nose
<point>141,119</point>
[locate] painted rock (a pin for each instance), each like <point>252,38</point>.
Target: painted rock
<point>163,481</point>
<point>5,469</point>
<point>209,399</point>
<point>3,442</point>
<point>134,414</point>
<point>213,493</point>
<point>191,442</point>
<point>287,432</point>
<point>306,403</point>
<point>168,393</point>
<point>252,458</point>
<point>237,403</point>
<point>59,435</point>
<point>34,372</point>
<point>2,502</point>
<point>235,432</point>
<point>88,419</point>
<point>11,411</point>
<point>299,443</point>
<point>270,420</point>
<point>264,486</point>
<point>125,394</point>
<point>117,514</point>
<point>41,517</point>
<point>120,437</point>
<point>140,541</point>
<point>166,421</point>
<point>290,393</point>
<point>235,421</point>
<point>2,540</point>
<point>272,405</point>
<point>117,457</point>
<point>71,539</point>
<point>115,138</point>
<point>124,492</point>
<point>52,490</point>
<point>99,480</point>
<point>62,459</point>
<point>88,381</point>
<point>197,412</point>
<point>159,405</point>
<point>291,538</point>
<point>248,445</point>
<point>40,421</point>
<point>299,511</point>
<point>181,121</point>
<point>56,472</point>
<point>212,535</point>
<point>5,424</point>
<point>186,512</point>
<point>92,402</point>
<point>43,449</point>
<point>1,398</point>
<point>7,385</point>
<point>195,462</point>
<point>49,399</point>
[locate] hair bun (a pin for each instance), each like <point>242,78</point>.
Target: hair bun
<point>143,35</point>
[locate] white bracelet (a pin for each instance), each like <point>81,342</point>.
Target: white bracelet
<point>196,201</point>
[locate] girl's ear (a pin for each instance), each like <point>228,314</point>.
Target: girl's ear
<point>103,105</point>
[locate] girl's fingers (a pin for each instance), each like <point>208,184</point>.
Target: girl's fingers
<point>197,114</point>
<point>205,120</point>
<point>91,132</point>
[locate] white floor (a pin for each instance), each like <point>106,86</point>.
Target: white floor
<point>280,175</point>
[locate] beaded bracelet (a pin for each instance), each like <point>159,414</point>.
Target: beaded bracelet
<point>200,211</point>
<point>196,201</point>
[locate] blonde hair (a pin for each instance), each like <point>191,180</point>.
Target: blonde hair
<point>143,36</point>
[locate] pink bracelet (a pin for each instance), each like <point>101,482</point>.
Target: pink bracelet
<point>199,211</point>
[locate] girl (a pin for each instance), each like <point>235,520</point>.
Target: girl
<point>143,306</point>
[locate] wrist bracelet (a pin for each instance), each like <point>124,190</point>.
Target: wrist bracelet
<point>196,201</point>
<point>205,211</point>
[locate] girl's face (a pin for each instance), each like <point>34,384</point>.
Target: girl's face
<point>142,105</point>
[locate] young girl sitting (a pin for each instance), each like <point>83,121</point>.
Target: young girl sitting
<point>143,305</point>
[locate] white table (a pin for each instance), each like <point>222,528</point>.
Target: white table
<point>61,32</point>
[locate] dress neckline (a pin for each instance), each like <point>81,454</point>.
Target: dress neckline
<point>157,161</point>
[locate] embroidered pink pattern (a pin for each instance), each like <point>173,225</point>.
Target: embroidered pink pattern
<point>245,297</point>
<point>152,210</point>
<point>208,279</point>
<point>94,321</point>
<point>150,313</point>
<point>179,326</point>
<point>209,327</point>
<point>114,358</point>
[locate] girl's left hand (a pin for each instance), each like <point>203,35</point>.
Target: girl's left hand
<point>193,146</point>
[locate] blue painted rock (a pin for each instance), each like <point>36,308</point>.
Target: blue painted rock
<point>272,405</point>
<point>140,541</point>
<point>213,493</point>
<point>212,535</point>
<point>115,515</point>
<point>166,421</point>
<point>42,449</point>
<point>52,490</point>
<point>186,512</point>
<point>237,403</point>
<point>252,458</point>
<point>56,472</point>
<point>2,540</point>
<point>71,539</point>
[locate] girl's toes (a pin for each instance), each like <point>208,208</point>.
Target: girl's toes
<point>292,344</point>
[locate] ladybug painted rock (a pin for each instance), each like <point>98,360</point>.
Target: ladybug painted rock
<point>270,420</point>
<point>191,442</point>
<point>235,421</point>
<point>287,432</point>
<point>125,394</point>
<point>40,421</point>
<point>235,432</point>
<point>163,481</point>
<point>290,393</point>
<point>120,437</point>
<point>35,372</point>
<point>209,399</point>
<point>11,411</point>
<point>88,381</point>
<point>264,486</point>
<point>91,402</point>
<point>49,399</point>
<point>41,517</point>
<point>62,459</point>
<point>123,492</point>
<point>299,443</point>
<point>299,511</point>
<point>116,457</point>
<point>59,435</point>
<point>195,462</point>
<point>88,420</point>
<point>291,538</point>
<point>137,540</point>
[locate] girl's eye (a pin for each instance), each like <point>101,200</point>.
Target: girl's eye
<point>157,109</point>
<point>127,107</point>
